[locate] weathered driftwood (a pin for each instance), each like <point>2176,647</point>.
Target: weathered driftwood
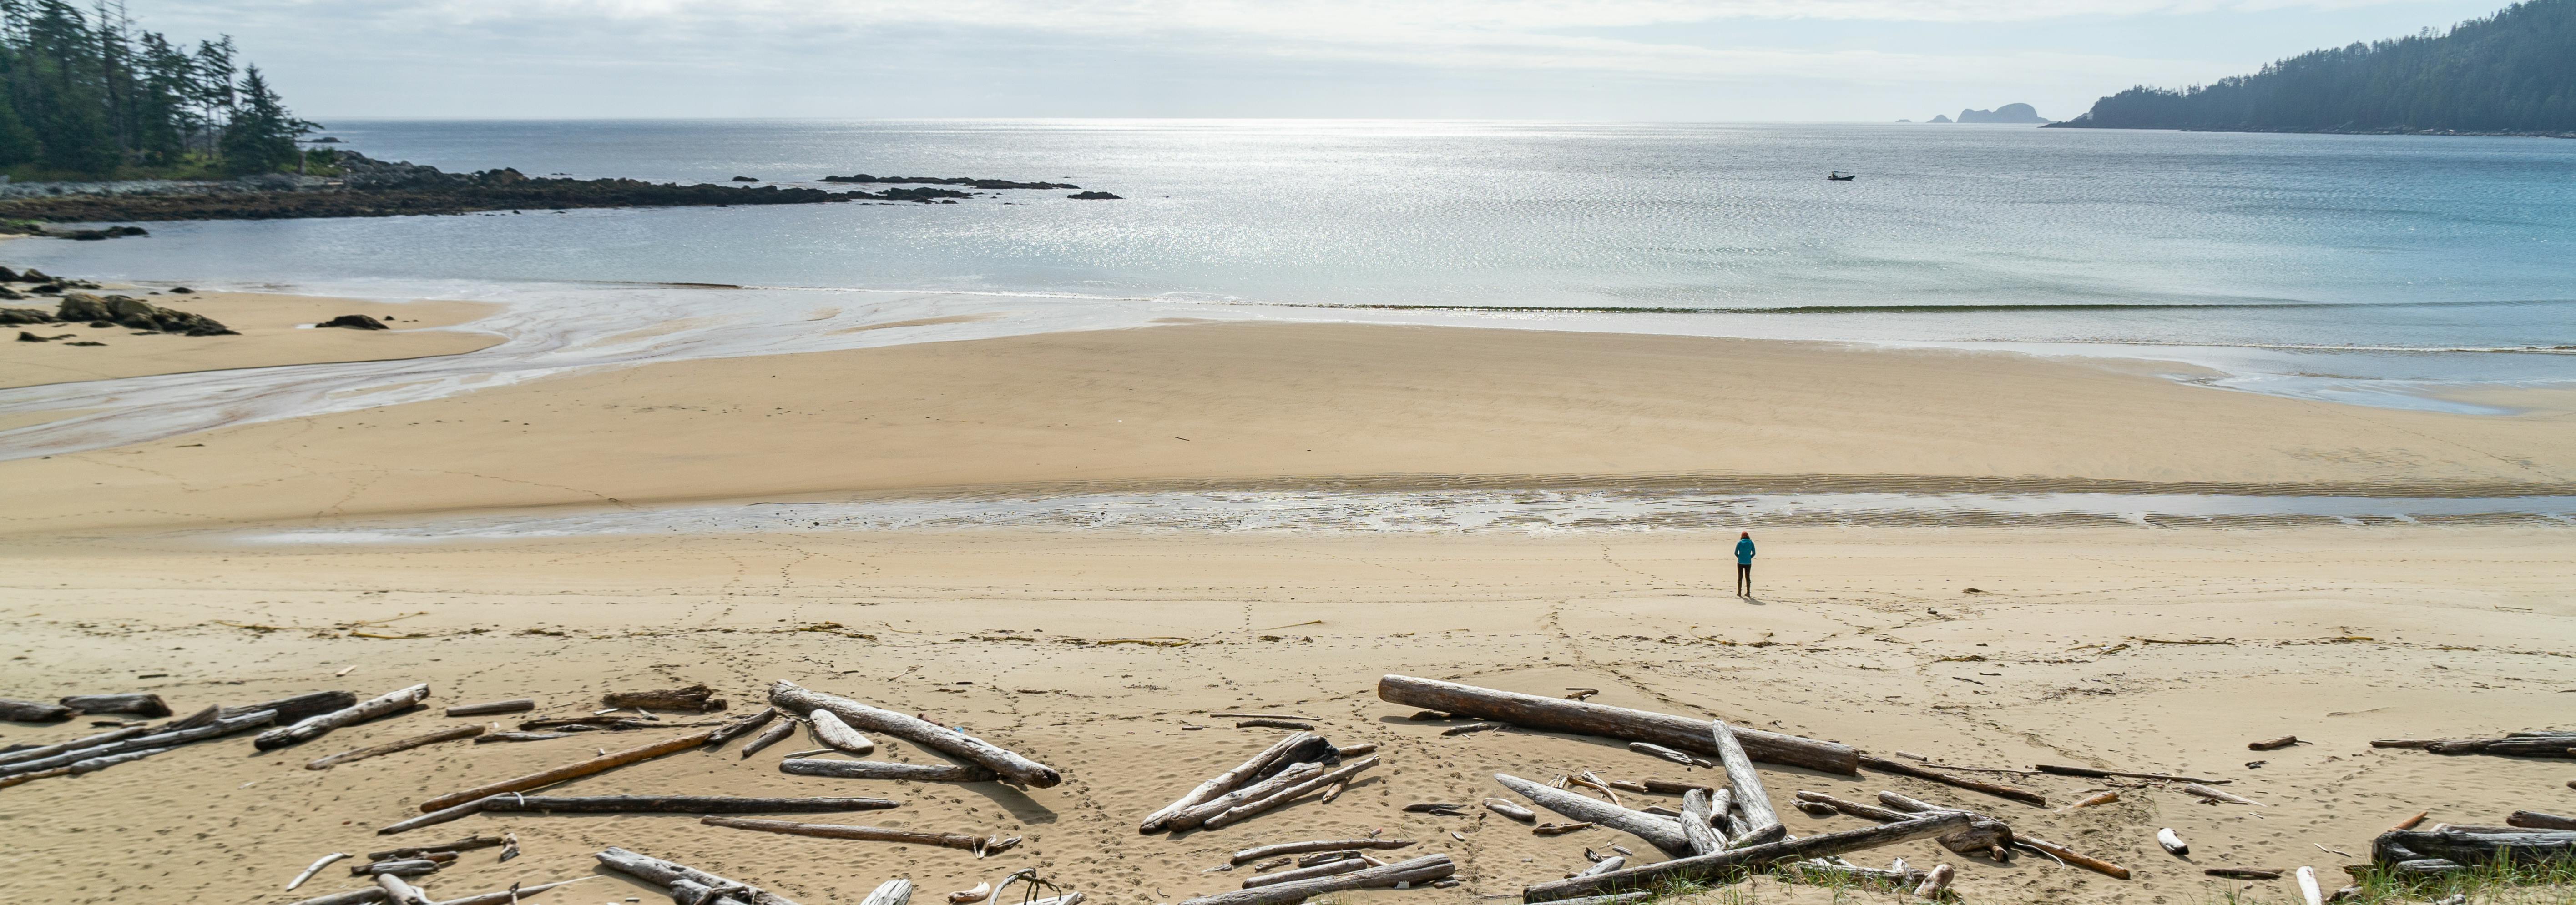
<point>486,708</point>
<point>33,711</point>
<point>2527,746</point>
<point>1713,867</point>
<point>40,752</point>
<point>693,699</point>
<point>1011,766</point>
<point>666,874</point>
<point>1696,817</point>
<point>2520,847</point>
<point>830,732</point>
<point>735,728</point>
<point>1442,808</point>
<point>2539,821</point>
<point>1193,816</point>
<point>1261,716</point>
<point>1266,723</point>
<point>2172,842</point>
<point>295,708</point>
<point>1624,898</point>
<point>878,769</point>
<point>1936,882</point>
<point>2096,798</point>
<point>1471,728</point>
<point>138,704</point>
<point>2071,856</point>
<point>318,865</point>
<point>2308,887</point>
<point>593,722</point>
<point>890,892</point>
<point>1319,845</point>
<point>315,726</point>
<point>1412,872</point>
<point>1985,835</point>
<point>543,778</point>
<point>2216,795</point>
<point>449,734</point>
<point>96,764</point>
<point>1513,811</point>
<point>1998,790</point>
<point>1352,751</point>
<point>151,741</point>
<point>1558,714</point>
<point>1325,869</point>
<point>365,896</point>
<point>442,815</point>
<point>401,867</point>
<point>468,843</point>
<point>1811,870</point>
<point>677,804</point>
<point>1853,808</point>
<point>776,733</point>
<point>490,737</point>
<point>33,775</point>
<point>1254,806</point>
<point>1663,832</point>
<point>2092,773</point>
<point>1650,749</point>
<point>2412,822</point>
<point>1297,748</point>
<point>2272,744</point>
<point>1560,829</point>
<point>1761,823</point>
<point>399,892</point>
<point>2244,873</point>
<point>1602,866</point>
<point>1663,786</point>
<point>377,894</point>
<point>860,833</point>
<point>1321,857</point>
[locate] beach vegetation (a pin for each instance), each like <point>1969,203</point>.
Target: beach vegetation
<point>85,94</point>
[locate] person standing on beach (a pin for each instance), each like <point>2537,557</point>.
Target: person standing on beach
<point>1744,565</point>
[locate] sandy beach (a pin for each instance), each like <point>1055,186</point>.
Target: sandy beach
<point>2156,648</point>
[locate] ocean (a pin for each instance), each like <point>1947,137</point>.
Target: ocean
<point>2381,270</point>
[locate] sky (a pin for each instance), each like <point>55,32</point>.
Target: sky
<point>1654,60</point>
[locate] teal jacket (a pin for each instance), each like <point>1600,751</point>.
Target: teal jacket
<point>1744,551</point>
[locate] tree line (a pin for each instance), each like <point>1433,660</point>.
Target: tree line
<point>2514,71</point>
<point>85,92</point>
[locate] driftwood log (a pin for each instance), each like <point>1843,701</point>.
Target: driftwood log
<point>444,735</point>
<point>1998,790</point>
<point>1663,832</point>
<point>1009,765</point>
<point>1985,832</point>
<point>861,833</point>
<point>696,698</point>
<point>150,741</point>
<point>520,737</point>
<point>1513,811</point>
<point>1253,806</point>
<point>676,804</point>
<point>729,731</point>
<point>877,769</point>
<point>777,732</point>
<point>96,764</point>
<point>2520,847</point>
<point>667,874</point>
<point>1721,865</point>
<point>314,726</point>
<point>468,843</point>
<point>142,705</point>
<point>1761,823</point>
<point>1301,747</point>
<point>377,894</point>
<point>487,708</point>
<point>1558,714</point>
<point>1319,845</point>
<point>2539,821</point>
<point>33,711</point>
<point>289,710</point>
<point>1684,758</point>
<point>1697,817</point>
<point>2244,873</point>
<point>1413,872</point>
<point>830,732</point>
<point>40,752</point>
<point>1325,869</point>
<point>1662,786</point>
<point>2272,744</point>
<point>543,778</point>
<point>2091,773</point>
<point>1192,817</point>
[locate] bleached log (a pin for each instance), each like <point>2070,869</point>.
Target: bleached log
<point>444,735</point>
<point>40,752</point>
<point>1513,811</point>
<point>1711,867</point>
<point>1413,872</point>
<point>406,867</point>
<point>1296,748</point>
<point>96,764</point>
<point>377,894</point>
<point>2522,847</point>
<point>732,730</point>
<point>1008,764</point>
<point>543,778</point>
<point>890,892</point>
<point>1326,869</point>
<point>1664,833</point>
<point>1935,883</point>
<point>490,737</point>
<point>676,804</point>
<point>830,732</point>
<point>1761,823</point>
<point>33,711</point>
<point>664,874</point>
<point>149,706</point>
<point>315,726</point>
<point>487,708</point>
<point>2091,773</point>
<point>165,739</point>
<point>1998,790</point>
<point>1192,817</point>
<point>1603,866</point>
<point>1696,818</point>
<point>1254,806</point>
<point>1854,808</point>
<point>960,841</point>
<point>2216,795</point>
<point>291,709</point>
<point>1561,715</point>
<point>468,843</point>
<point>318,865</point>
<point>398,892</point>
<point>1318,845</point>
<point>767,737</point>
<point>1651,749</point>
<point>877,769</point>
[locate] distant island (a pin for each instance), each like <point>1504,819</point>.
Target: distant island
<point>2512,73</point>
<point>2020,114</point>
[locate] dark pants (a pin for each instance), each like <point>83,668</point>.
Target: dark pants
<point>1744,578</point>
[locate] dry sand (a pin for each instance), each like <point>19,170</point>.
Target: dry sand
<point>1861,634</point>
<point>273,332</point>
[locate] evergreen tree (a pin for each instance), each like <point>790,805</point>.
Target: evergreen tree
<point>87,92</point>
<point>261,136</point>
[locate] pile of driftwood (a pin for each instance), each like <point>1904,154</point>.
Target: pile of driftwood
<point>2535,743</point>
<point>2527,838</point>
<point>126,744</point>
<point>1296,766</point>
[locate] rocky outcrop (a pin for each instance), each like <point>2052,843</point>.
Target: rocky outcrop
<point>949,180</point>
<point>1093,196</point>
<point>1938,118</point>
<point>127,311</point>
<point>11,317</point>
<point>2018,114</point>
<point>355,322</point>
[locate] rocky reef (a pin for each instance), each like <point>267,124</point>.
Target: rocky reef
<point>114,311</point>
<point>987,184</point>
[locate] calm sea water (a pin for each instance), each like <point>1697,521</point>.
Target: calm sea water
<point>2378,269</point>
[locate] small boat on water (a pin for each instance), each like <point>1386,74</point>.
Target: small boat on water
<point>1840,176</point>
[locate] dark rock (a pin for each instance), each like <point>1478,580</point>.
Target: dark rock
<point>85,343</point>
<point>1094,196</point>
<point>102,324</point>
<point>950,180</point>
<point>180,290</point>
<point>26,337</point>
<point>8,276</point>
<point>745,179</point>
<point>48,289</point>
<point>128,311</point>
<point>325,140</point>
<point>11,317</point>
<point>355,322</point>
<point>31,276</point>
<point>11,295</point>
